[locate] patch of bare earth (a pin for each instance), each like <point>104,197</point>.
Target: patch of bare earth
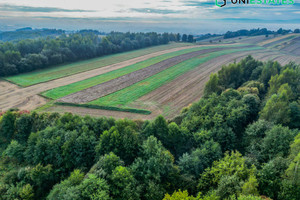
<point>293,47</point>
<point>274,40</point>
<point>27,103</point>
<point>254,39</point>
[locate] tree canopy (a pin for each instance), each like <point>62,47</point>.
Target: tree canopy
<point>240,141</point>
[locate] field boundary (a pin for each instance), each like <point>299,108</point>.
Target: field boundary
<point>111,108</point>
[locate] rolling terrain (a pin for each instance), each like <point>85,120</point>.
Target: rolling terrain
<point>143,83</point>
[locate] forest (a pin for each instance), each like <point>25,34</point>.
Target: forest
<point>32,54</point>
<point>240,141</point>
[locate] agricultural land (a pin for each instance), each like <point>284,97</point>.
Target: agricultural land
<point>139,84</point>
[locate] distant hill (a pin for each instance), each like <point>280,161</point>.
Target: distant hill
<point>29,33</point>
<point>25,29</point>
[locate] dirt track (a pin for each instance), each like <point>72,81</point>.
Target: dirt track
<point>15,96</point>
<point>25,103</point>
<point>122,82</point>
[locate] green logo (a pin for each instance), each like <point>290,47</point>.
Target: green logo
<point>221,5</point>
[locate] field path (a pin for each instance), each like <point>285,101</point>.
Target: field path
<point>18,97</point>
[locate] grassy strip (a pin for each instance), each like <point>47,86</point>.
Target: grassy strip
<point>44,107</point>
<point>62,91</point>
<point>131,110</point>
<point>137,90</point>
<point>60,71</point>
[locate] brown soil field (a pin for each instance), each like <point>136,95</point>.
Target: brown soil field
<point>275,43</point>
<point>122,82</point>
<point>242,39</point>
<point>185,89</point>
<point>169,99</point>
<point>269,41</point>
<point>15,96</point>
<point>188,88</point>
<point>27,103</point>
<point>254,39</point>
<point>293,47</point>
<point>6,87</point>
<point>175,94</point>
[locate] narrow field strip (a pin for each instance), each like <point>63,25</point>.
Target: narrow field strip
<point>56,72</point>
<point>130,110</point>
<point>122,82</point>
<point>137,90</point>
<point>62,91</point>
<point>280,42</point>
<point>293,46</point>
<point>265,43</point>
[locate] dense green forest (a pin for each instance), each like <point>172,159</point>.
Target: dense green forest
<point>31,54</point>
<point>241,141</point>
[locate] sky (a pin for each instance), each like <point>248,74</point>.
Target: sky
<point>189,16</point>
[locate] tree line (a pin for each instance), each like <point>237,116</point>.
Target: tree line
<point>239,142</point>
<point>255,32</point>
<point>32,54</point>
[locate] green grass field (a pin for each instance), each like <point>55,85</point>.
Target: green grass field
<point>62,91</point>
<point>81,66</point>
<point>135,91</point>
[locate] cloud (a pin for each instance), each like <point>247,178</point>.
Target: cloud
<point>172,12</point>
<point>15,8</point>
<point>155,11</point>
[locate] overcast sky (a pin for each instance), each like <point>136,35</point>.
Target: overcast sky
<point>137,15</point>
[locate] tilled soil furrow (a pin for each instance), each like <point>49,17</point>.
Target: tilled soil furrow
<point>187,88</point>
<point>122,82</point>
